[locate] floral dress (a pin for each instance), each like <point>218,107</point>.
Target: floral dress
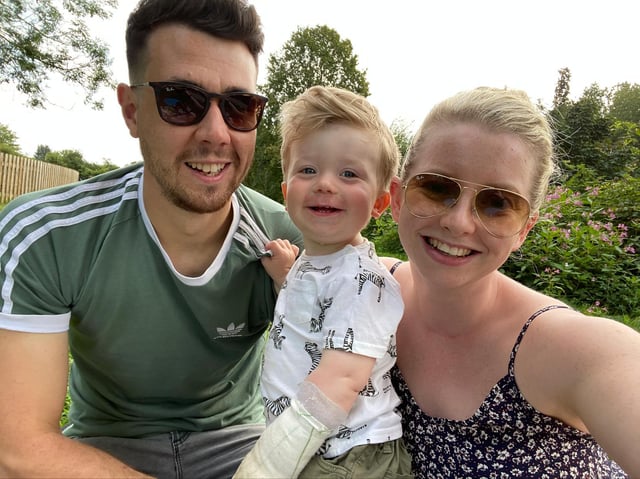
<point>505,438</point>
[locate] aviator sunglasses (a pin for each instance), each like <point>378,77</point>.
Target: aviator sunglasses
<point>183,104</point>
<point>502,213</point>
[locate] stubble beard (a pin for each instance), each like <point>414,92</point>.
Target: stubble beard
<point>206,200</point>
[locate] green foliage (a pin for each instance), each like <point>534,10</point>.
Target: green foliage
<point>73,159</point>
<point>64,417</point>
<point>41,152</point>
<point>38,39</point>
<point>561,96</point>
<point>585,248</point>
<point>312,56</point>
<point>8,141</point>
<point>600,131</point>
<point>625,102</point>
<point>402,134</point>
<point>383,232</point>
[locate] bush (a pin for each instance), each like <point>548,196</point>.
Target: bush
<point>585,248</point>
<point>384,234</point>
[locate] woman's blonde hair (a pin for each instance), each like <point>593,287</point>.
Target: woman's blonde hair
<point>501,111</point>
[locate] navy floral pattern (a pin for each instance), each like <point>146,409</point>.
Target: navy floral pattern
<point>506,438</point>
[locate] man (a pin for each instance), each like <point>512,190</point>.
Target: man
<point>150,274</point>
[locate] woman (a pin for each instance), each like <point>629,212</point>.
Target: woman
<point>496,379</point>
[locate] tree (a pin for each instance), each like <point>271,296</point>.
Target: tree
<point>561,96</point>
<point>582,129</point>
<point>312,56</point>
<point>402,135</point>
<point>383,231</point>
<point>8,141</point>
<point>41,152</point>
<point>38,39</point>
<point>625,102</point>
<point>73,159</point>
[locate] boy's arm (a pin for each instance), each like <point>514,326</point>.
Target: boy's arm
<point>321,405</point>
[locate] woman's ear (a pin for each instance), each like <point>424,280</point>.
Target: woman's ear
<point>396,197</point>
<point>522,236</point>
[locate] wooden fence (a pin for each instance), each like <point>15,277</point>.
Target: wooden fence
<point>19,174</point>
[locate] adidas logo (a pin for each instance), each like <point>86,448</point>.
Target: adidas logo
<point>231,331</point>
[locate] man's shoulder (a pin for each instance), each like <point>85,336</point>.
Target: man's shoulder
<point>267,215</point>
<point>251,200</point>
<point>74,203</point>
<point>114,179</point>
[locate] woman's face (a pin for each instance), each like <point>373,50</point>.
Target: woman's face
<point>454,246</point>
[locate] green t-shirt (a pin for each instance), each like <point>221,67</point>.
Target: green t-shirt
<point>154,351</point>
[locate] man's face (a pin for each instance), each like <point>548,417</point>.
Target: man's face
<point>196,167</point>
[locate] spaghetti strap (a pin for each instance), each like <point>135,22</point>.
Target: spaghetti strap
<point>394,267</point>
<point>516,346</point>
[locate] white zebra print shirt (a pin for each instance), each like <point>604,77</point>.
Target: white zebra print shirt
<point>348,301</point>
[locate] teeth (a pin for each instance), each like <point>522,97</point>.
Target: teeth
<point>450,250</point>
<point>208,168</point>
<point>324,208</point>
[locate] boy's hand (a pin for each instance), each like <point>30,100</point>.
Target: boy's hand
<point>283,255</point>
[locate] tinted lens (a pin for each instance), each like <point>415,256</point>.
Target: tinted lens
<point>503,213</point>
<point>429,195</point>
<point>185,105</point>
<point>181,105</point>
<point>242,111</point>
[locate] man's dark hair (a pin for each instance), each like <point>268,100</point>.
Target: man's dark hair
<point>234,20</point>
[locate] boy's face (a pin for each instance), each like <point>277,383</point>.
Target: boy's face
<point>331,187</point>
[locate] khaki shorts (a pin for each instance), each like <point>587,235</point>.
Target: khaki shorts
<point>370,461</point>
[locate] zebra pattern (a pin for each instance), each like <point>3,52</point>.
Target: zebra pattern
<point>277,406</point>
<point>316,323</point>
<point>347,343</point>
<point>314,353</point>
<point>345,433</point>
<point>276,333</point>
<point>328,341</point>
<point>308,267</point>
<point>365,276</point>
<point>392,349</point>
<point>368,390</point>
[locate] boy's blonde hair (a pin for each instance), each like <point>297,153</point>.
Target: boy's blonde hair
<point>320,106</point>
<point>501,111</point>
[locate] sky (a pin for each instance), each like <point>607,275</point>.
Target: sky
<point>415,53</point>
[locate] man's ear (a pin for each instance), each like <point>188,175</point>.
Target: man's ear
<point>397,197</point>
<point>381,204</point>
<point>128,107</point>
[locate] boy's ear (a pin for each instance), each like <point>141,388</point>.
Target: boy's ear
<point>381,204</point>
<point>283,187</point>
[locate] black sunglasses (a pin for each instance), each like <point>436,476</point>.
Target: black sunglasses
<point>501,212</point>
<point>183,104</point>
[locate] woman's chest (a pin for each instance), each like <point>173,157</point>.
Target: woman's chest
<point>450,377</point>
